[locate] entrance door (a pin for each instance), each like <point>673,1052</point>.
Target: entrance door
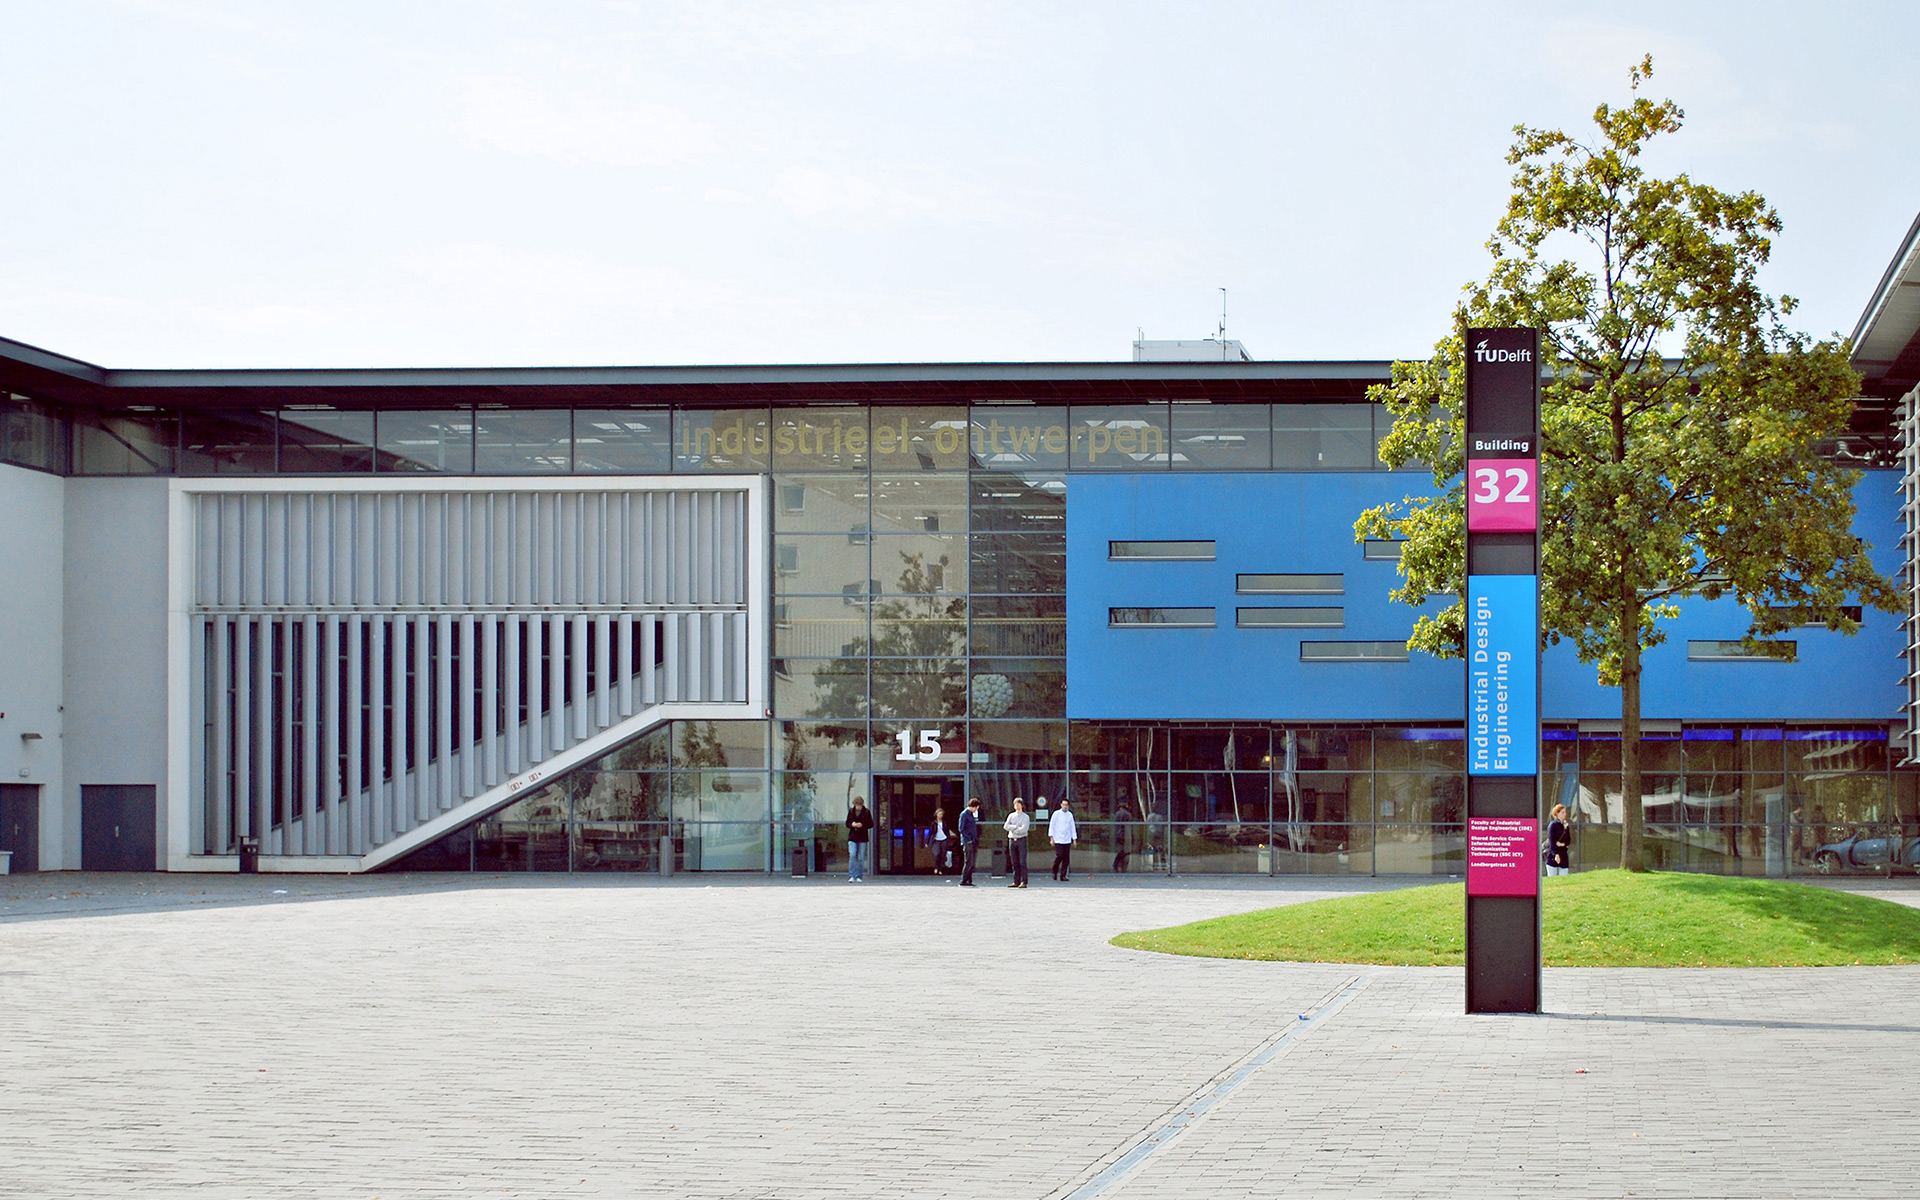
<point>20,824</point>
<point>905,806</point>
<point>116,827</point>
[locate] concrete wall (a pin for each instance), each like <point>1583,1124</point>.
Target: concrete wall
<point>116,640</point>
<point>31,519</point>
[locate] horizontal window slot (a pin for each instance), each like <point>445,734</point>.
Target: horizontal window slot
<point>1184,551</point>
<point>1290,585</point>
<point>1707,651</point>
<point>1290,618</point>
<point>1163,618</point>
<point>1353,652</point>
<point>1387,549</point>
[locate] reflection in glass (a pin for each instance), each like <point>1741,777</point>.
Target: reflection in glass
<point>821,504</point>
<point>1323,437</point>
<point>710,846</point>
<point>818,796</point>
<point>921,563</point>
<point>1033,563</point>
<point>1419,750</point>
<point>1424,798</point>
<point>1020,745</point>
<point>1119,795</point>
<point>1220,849</point>
<point>819,627</point>
<point>620,795</point>
<point>228,443</point>
<point>819,687</point>
<point>522,441</point>
<point>919,687</point>
<point>1221,437</point>
<point>924,439</point>
<point>622,441</point>
<point>720,440</point>
<point>517,846</point>
<point>1221,798</point>
<point>1019,687</point>
<point>124,442</point>
<point>325,442</point>
<point>997,790</point>
<point>425,441</point>
<point>1019,504</point>
<point>34,434</point>
<point>1229,748</point>
<point>819,439</point>
<point>1020,626</point>
<point>719,744</point>
<point>820,564</point>
<point>1127,437</point>
<point>808,746</point>
<point>922,503</point>
<point>624,846</point>
<point>719,796</point>
<point>1018,437</point>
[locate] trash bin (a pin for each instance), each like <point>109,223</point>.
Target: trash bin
<point>799,860</point>
<point>666,855</point>
<point>999,861</point>
<point>249,856</point>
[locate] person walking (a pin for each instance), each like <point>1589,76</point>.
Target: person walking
<point>1061,831</point>
<point>859,825</point>
<point>1559,841</point>
<point>969,840</point>
<point>942,838</point>
<point>1017,825</point>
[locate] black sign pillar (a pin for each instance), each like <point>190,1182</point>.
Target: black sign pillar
<point>1503,670</point>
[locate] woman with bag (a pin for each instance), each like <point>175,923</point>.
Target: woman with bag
<point>1559,841</point>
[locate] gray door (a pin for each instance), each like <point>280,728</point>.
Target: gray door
<point>116,826</point>
<point>20,824</point>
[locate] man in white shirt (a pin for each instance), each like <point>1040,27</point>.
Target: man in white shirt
<point>1061,831</point>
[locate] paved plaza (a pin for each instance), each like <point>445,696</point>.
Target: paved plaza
<point>559,1036</point>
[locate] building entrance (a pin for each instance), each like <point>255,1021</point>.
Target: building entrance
<point>903,807</point>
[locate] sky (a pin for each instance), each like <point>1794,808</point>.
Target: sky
<point>191,183</point>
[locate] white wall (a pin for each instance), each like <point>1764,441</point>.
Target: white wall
<point>32,510</point>
<point>116,641</point>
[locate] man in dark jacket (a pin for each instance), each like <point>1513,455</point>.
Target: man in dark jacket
<point>969,840</point>
<point>859,823</point>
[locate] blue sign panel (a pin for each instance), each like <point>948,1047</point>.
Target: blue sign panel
<point>1503,638</point>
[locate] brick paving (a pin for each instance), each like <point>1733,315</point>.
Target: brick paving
<point>711,1038</point>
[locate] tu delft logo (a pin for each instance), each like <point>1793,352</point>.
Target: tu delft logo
<point>1482,354</point>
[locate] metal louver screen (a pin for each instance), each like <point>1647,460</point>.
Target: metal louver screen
<point>365,662</point>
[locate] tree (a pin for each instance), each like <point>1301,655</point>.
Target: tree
<point>1680,418</point>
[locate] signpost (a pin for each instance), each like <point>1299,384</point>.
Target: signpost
<point>1503,670</point>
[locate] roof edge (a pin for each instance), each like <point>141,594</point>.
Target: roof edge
<point>47,360</point>
<point>1878,299</point>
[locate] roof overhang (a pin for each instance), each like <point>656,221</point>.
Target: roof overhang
<point>1886,342</point>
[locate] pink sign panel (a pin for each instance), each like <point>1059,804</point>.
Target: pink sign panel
<point>1503,856</point>
<point>1503,495</point>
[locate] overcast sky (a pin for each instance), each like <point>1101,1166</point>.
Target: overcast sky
<point>196,183</point>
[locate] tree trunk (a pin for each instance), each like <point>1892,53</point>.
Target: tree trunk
<point>1632,827</point>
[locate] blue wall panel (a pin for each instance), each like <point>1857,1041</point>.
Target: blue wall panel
<point>1304,523</point>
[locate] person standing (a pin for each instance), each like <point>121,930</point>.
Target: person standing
<point>1018,823</point>
<point>942,839</point>
<point>969,840</point>
<point>1061,831</point>
<point>1559,841</point>
<point>859,825</point>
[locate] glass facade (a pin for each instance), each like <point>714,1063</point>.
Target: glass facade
<point>1255,799</point>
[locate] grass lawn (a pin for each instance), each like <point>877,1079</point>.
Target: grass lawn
<point>1594,919</point>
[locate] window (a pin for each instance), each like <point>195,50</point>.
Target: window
<point>1290,585</point>
<point>1734,651</point>
<point>1290,618</point>
<point>1194,551</point>
<point>1353,652</point>
<point>1190,618</point>
<point>1852,612</point>
<point>1384,549</point>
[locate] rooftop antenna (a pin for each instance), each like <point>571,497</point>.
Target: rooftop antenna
<point>1220,334</point>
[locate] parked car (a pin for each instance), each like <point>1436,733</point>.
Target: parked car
<point>1861,852</point>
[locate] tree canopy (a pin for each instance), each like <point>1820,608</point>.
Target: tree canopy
<point>1682,420</point>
